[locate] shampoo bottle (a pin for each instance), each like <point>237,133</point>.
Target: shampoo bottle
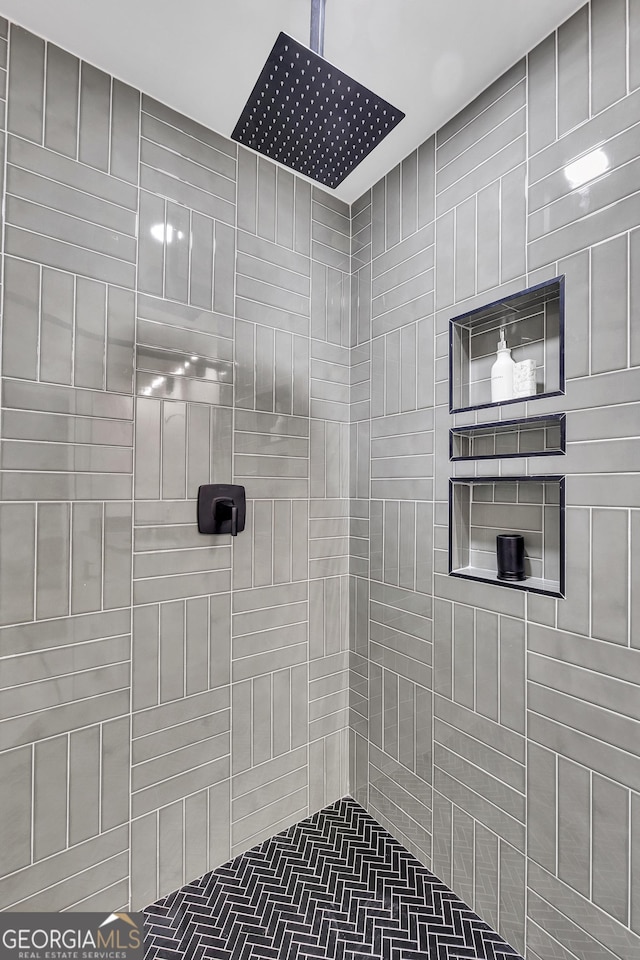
<point>502,373</point>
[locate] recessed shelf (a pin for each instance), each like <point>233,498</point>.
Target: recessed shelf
<point>531,437</point>
<point>481,508</point>
<point>532,584</point>
<point>533,322</point>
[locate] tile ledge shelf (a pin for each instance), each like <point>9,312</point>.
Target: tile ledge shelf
<point>505,403</point>
<point>550,588</point>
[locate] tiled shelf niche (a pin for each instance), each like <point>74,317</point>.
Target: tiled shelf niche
<point>532,437</point>
<point>481,508</point>
<point>533,322</point>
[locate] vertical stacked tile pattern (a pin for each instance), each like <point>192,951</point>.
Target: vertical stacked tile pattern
<point>160,283</point>
<point>535,788</point>
<point>582,659</point>
<point>329,515</point>
<point>391,491</point>
<point>66,465</point>
<point>270,669</point>
<point>181,720</point>
<point>359,496</point>
<point>162,696</point>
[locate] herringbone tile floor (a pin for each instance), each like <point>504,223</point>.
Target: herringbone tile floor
<point>336,885</point>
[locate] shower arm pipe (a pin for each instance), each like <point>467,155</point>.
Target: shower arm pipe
<point>317,26</point>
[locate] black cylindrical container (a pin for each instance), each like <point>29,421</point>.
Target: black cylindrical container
<point>510,549</point>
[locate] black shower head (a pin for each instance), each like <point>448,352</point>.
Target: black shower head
<point>312,117</point>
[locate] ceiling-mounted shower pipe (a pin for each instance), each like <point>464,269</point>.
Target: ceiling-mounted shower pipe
<point>317,26</point>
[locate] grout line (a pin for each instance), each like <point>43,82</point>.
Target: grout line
<point>158,651</point>
<point>100,774</point>
<point>434,362</point>
<point>40,305</point>
<point>103,550</point>
<point>587,670</point>
<point>476,116</point>
<point>452,205</point>
<point>556,67</point>
<point>476,237</point>
<point>564,952</point>
<point>24,197</point>
<point>141,764</point>
<point>55,677</point>
<point>70,576</point>
<point>78,100</point>
<point>255,259</point>
<point>148,789</point>
<point>184,649</point>
<point>557,813</point>
<point>110,145</point>
<point>630,544</point>
<point>630,884</point>
<point>39,175</point>
<point>499,669</point>
<point>587,218</point>
<point>32,804</point>
<point>386,290</point>
<point>68,244</point>
<point>189,214</point>
<point>591,834</point>
<point>629,266</point>
<point>403,791</point>
<point>45,68</point>
<point>474,653</point>
<point>282,776</point>
<point>270,717</point>
<point>180,130</point>
<point>590,571</point>
<point>210,714</point>
<point>164,147</point>
<point>499,881</point>
<point>222,203</point>
<point>484,138</point>
<point>35,561</point>
<point>183,858</point>
<point>628,45</point>
<point>56,883</point>
<point>156,815</point>
<point>483,744</point>
<point>590,55</point>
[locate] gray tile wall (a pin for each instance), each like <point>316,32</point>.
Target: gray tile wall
<point>175,313</point>
<point>526,795</point>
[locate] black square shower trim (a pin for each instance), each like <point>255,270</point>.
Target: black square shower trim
<point>312,117</point>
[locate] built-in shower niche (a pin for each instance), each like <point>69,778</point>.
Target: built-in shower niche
<point>531,437</point>
<point>480,509</point>
<point>533,324</point>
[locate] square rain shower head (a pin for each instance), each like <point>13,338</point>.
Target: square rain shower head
<point>312,117</point>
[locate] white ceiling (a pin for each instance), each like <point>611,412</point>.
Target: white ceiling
<point>427,57</point>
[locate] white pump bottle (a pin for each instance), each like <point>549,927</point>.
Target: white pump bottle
<point>502,373</point>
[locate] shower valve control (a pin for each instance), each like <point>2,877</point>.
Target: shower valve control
<point>222,508</point>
